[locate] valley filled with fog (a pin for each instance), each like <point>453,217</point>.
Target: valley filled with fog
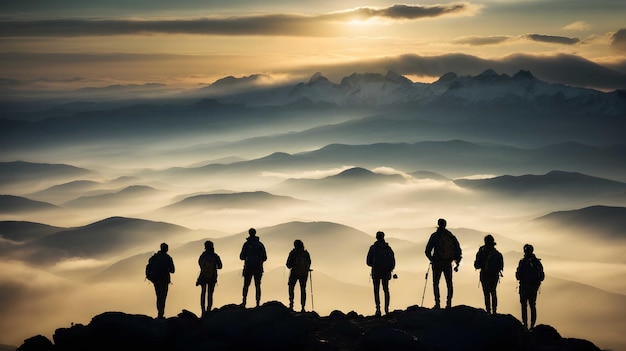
<point>87,195</point>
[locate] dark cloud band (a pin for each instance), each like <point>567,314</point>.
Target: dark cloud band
<point>272,24</point>
<point>553,39</point>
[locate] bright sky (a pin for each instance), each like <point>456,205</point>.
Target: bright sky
<point>66,43</point>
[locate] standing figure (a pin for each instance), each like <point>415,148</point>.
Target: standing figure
<point>530,275</point>
<point>158,270</point>
<point>382,260</point>
<point>491,263</point>
<point>253,254</point>
<point>209,263</point>
<point>442,249</point>
<point>299,261</point>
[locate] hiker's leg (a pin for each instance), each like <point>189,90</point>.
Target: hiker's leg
<point>211,289</point>
<point>203,288</point>
<point>302,281</point>
<point>532,301</point>
<point>447,272</point>
<point>257,285</point>
<point>161,295</point>
<point>437,270</point>
<point>483,283</point>
<point>247,278</point>
<point>387,297</point>
<point>291,284</point>
<point>494,298</point>
<point>376,281</point>
<point>524,303</point>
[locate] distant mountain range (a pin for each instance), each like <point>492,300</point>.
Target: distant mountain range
<point>487,89</point>
<point>485,107</point>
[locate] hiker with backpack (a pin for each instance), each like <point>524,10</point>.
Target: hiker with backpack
<point>530,275</point>
<point>209,263</point>
<point>382,260</point>
<point>158,270</point>
<point>299,262</point>
<point>491,263</point>
<point>442,249</point>
<point>253,254</point>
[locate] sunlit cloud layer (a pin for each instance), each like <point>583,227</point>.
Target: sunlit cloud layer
<point>553,39</point>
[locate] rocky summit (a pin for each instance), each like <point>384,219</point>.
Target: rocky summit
<point>273,326</point>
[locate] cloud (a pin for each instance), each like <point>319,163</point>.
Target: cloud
<point>479,41</point>
<point>553,39</point>
<point>329,24</point>
<point>578,26</point>
<point>618,41</point>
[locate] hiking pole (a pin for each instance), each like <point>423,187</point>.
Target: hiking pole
<point>425,283</point>
<point>312,304</point>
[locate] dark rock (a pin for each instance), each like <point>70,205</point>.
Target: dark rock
<point>36,343</point>
<point>273,326</point>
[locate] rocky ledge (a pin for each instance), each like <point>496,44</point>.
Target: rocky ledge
<point>273,326</point>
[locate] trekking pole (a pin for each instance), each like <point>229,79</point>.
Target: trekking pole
<point>312,304</point>
<point>425,283</point>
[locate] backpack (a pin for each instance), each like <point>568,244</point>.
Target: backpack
<point>530,271</point>
<point>493,263</point>
<point>153,268</point>
<point>446,246</point>
<point>384,260</point>
<point>208,266</point>
<point>301,264</point>
<point>489,262</point>
<point>254,254</point>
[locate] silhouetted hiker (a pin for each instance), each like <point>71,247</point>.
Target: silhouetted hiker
<point>209,263</point>
<point>253,254</point>
<point>441,250</point>
<point>530,275</point>
<point>299,261</point>
<point>382,260</point>
<point>158,270</point>
<point>490,262</point>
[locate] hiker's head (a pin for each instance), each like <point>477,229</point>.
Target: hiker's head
<point>208,245</point>
<point>380,235</point>
<point>298,244</point>
<point>489,240</point>
<point>252,232</point>
<point>528,249</point>
<point>164,247</point>
<point>442,223</point>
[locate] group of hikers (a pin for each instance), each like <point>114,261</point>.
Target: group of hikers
<point>442,250</point>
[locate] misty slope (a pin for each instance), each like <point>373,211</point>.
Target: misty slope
<point>20,231</point>
<point>109,237</point>
<point>18,204</point>
<point>128,195</point>
<point>33,174</point>
<point>257,199</point>
<point>353,179</point>
<point>554,183</point>
<point>599,220</point>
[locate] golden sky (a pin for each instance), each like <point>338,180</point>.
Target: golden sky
<point>63,44</point>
